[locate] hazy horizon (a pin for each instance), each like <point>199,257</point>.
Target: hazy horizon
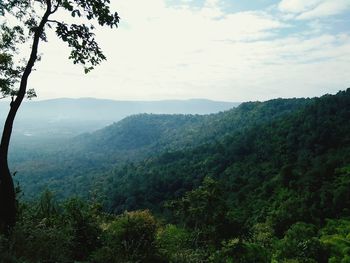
<point>39,99</point>
<point>67,117</point>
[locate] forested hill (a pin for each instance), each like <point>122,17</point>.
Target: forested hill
<point>158,133</point>
<point>64,118</point>
<point>67,168</point>
<point>294,167</point>
<point>159,157</point>
<point>273,191</point>
<point>264,182</point>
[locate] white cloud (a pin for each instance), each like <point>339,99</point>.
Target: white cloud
<point>297,6</point>
<point>326,8</point>
<point>311,9</point>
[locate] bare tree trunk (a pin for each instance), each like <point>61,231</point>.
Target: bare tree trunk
<point>7,191</point>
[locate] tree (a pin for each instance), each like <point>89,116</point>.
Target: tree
<point>204,210</point>
<point>301,243</point>
<point>130,237</point>
<point>33,19</point>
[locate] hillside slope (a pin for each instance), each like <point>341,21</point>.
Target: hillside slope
<point>69,166</point>
<point>292,168</point>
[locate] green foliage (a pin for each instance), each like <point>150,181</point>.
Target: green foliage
<point>83,221</point>
<point>340,186</point>
<point>263,235</point>
<point>40,235</point>
<point>9,72</point>
<point>302,244</point>
<point>130,237</point>
<point>34,20</point>
<point>42,242</point>
<point>174,243</point>
<point>336,236</point>
<point>204,210</point>
<point>48,231</point>
<point>240,252</point>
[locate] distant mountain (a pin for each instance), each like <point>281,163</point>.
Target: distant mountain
<point>68,117</point>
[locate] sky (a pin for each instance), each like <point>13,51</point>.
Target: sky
<point>227,50</point>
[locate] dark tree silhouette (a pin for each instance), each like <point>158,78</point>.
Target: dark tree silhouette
<point>33,18</point>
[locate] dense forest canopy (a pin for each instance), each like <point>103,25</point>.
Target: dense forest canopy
<point>263,182</point>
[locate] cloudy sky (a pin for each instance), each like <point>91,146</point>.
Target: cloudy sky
<point>230,50</point>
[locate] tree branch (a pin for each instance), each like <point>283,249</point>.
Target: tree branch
<point>53,21</point>
<point>55,8</point>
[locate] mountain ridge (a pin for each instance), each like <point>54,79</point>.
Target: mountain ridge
<point>62,118</point>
